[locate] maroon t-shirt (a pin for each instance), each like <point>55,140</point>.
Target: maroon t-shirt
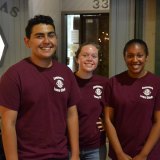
<point>134,102</point>
<point>41,96</point>
<point>90,108</point>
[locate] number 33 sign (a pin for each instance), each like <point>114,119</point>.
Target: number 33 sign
<point>97,4</point>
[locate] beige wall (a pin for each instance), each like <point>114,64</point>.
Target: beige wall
<point>13,15</point>
<point>121,30</point>
<point>149,32</point>
<point>86,5</point>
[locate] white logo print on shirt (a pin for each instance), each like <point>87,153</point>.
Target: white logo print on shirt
<point>98,91</point>
<point>147,91</point>
<point>59,84</point>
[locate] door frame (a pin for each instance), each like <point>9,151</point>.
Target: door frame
<point>64,30</point>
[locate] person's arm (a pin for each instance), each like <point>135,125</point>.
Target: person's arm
<point>9,137</point>
<point>73,132</point>
<point>152,138</point>
<point>112,135</point>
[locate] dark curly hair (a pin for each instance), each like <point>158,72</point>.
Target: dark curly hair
<point>37,20</point>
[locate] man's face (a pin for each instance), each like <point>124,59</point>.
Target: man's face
<point>42,42</point>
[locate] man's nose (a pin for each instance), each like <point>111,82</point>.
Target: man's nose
<point>46,39</point>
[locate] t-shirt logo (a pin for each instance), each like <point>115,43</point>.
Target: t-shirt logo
<point>147,92</point>
<point>59,87</point>
<point>98,91</point>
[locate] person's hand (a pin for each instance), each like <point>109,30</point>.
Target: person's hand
<point>124,156</point>
<point>100,124</point>
<point>139,157</point>
<point>74,158</point>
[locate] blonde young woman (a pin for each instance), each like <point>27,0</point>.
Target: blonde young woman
<point>92,139</point>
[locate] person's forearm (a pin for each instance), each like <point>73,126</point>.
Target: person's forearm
<point>73,131</point>
<point>9,141</point>
<point>112,134</point>
<point>113,138</point>
<point>152,140</point>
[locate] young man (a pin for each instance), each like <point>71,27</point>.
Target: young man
<point>37,100</point>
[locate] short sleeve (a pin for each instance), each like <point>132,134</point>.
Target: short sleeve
<point>10,90</point>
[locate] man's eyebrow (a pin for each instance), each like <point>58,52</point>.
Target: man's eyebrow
<point>39,33</point>
<point>52,32</point>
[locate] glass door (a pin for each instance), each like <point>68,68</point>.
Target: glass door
<point>84,28</point>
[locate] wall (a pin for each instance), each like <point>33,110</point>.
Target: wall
<point>13,15</point>
<point>121,30</point>
<point>157,39</point>
<point>86,5</point>
<point>149,33</point>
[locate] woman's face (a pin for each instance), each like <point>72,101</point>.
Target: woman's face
<point>135,59</point>
<point>88,58</point>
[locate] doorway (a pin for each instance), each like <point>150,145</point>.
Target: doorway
<point>82,28</point>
